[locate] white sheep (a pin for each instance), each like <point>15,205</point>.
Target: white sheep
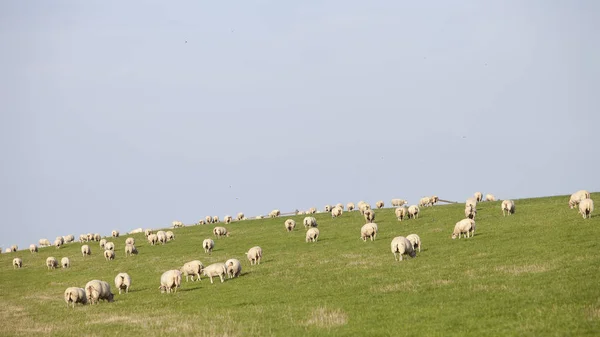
<point>69,238</point>
<point>369,215</point>
<point>258,217</point>
<point>122,282</point>
<point>102,243</point>
<point>254,255</point>
<point>586,207</point>
<point>398,202</point>
<point>147,232</point>
<point>96,237</point>
<point>415,240</point>
<point>274,213</point>
<point>136,231</point>
<point>152,239</point>
<point>82,238</point>
<point>336,211</point>
<point>8,250</point>
<point>17,263</point>
<point>109,246</point>
<point>363,207</point>
<point>379,204</point>
<point>413,212</point>
<point>471,202</point>
<point>208,219</point>
<point>85,250</point>
<point>312,234</point>
<point>228,219</point>
<point>130,249</point>
<point>234,268</point>
<point>400,246</point>
<point>130,241</point>
<point>327,208</point>
<point>350,206</point>
<point>311,210</point>
<point>464,226</point>
<point>162,237</point>
<point>577,197</point>
<point>478,196</point>
<point>109,255</point>
<point>368,231</point>
<point>340,205</point>
<point>65,262</point>
<point>220,231</point>
<point>114,234</point>
<point>208,245</point>
<point>51,262</point>
<point>401,212</point>
<point>170,235</point>
<point>61,239</point>
<point>470,212</point>
<point>75,295</point>
<point>97,290</point>
<point>309,221</point>
<point>192,268</point>
<point>201,222</point>
<point>170,281</point>
<point>290,224</point>
<point>215,269</point>
<point>508,206</point>
<point>424,202</point>
<point>240,216</point>
<point>177,224</point>
<point>215,219</point>
<point>490,197</point>
<point>33,248</point>
<point>44,242</point>
<point>58,243</point>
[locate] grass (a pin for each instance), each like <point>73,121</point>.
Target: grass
<point>534,273</point>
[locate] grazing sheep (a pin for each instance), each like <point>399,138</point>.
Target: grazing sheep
<point>369,215</point>
<point>58,243</point>
<point>170,235</point>
<point>379,204</point>
<point>327,208</point>
<point>69,238</point>
<point>215,219</point>
<point>228,219</point>
<point>363,207</point>
<point>215,269</point>
<point>258,217</point>
<point>96,237</point>
<point>240,216</point>
<point>136,231</point>
<point>274,213</point>
<point>220,231</point>
<point>577,197</point>
<point>17,263</point>
<point>192,268</point>
<point>122,282</point>
<point>8,250</point>
<point>177,224</point>
<point>464,226</point>
<point>162,237</point>
<point>114,234</point>
<point>490,197</point>
<point>413,212</point>
<point>33,248</point>
<point>109,246</point>
<point>82,239</point>
<point>130,250</point>
<point>109,255</point>
<point>14,248</point>
<point>234,268</point>
<point>401,212</point>
<point>424,202</point>
<point>51,262</point>
<point>350,206</point>
<point>61,239</point>
<point>336,211</point>
<point>208,219</point>
<point>508,206</point>
<point>44,242</point>
<point>85,250</point>
<point>586,207</point>
<point>471,202</point>
<point>312,234</point>
<point>147,232</point>
<point>470,212</point>
<point>254,255</point>
<point>290,224</point>
<point>415,240</point>
<point>130,241</point>
<point>75,295</point>
<point>89,237</point>
<point>478,196</point>
<point>311,210</point>
<point>208,245</point>
<point>152,239</point>
<point>309,221</point>
<point>368,231</point>
<point>97,290</point>
<point>201,222</point>
<point>340,205</point>
<point>398,202</point>
<point>102,243</point>
<point>65,262</point>
<point>400,246</point>
<point>170,281</point>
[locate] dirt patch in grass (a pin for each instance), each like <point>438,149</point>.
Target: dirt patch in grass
<point>518,270</point>
<point>326,318</point>
<point>441,282</point>
<point>592,313</point>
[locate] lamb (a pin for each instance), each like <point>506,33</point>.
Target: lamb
<point>97,290</point>
<point>33,248</point>
<point>115,234</point>
<point>586,207</point>
<point>379,204</point>
<point>162,237</point>
<point>220,231</point>
<point>309,221</point>
<point>51,262</point>
<point>274,213</point>
<point>234,268</point>
<point>216,269</point>
<point>65,262</point>
<point>508,206</point>
<point>215,219</point>
<point>290,224</point>
<point>400,246</point>
<point>170,281</point>
<point>130,250</point>
<point>312,234</point>
<point>254,255</point>
<point>109,246</point>
<point>152,239</point>
<point>240,216</point>
<point>103,243</point>
<point>577,197</point>
<point>228,219</point>
<point>170,235</point>
<point>490,197</point>
<point>401,212</point>
<point>192,268</point>
<point>208,219</point>
<point>336,211</point>
<point>368,231</point>
<point>424,202</point>
<point>415,240</point>
<point>398,202</point>
<point>350,206</point>
<point>85,250</point>
<point>369,215</point>
<point>208,245</point>
<point>413,212</point>
<point>478,196</point>
<point>470,212</point>
<point>17,263</point>
<point>75,295</point>
<point>464,226</point>
<point>130,241</point>
<point>122,282</point>
<point>109,255</point>
<point>44,242</point>
<point>58,243</point>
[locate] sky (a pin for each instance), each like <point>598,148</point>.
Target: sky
<point>119,115</point>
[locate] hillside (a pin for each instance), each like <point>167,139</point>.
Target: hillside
<point>534,273</point>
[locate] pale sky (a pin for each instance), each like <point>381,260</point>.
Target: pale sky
<point>111,120</point>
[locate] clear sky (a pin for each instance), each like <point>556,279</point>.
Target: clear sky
<point>110,120</point>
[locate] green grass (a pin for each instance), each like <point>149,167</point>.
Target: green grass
<point>534,273</point>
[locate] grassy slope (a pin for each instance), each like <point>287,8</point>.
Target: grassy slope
<point>531,274</point>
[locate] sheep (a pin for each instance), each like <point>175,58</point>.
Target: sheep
<point>369,215</point>
<point>478,196</point>
<point>490,197</point>
<point>327,208</point>
<point>8,250</point>
<point>200,222</point>
<point>136,231</point>
<point>400,246</point>
<point>162,237</point>
<point>208,219</point>
<point>192,268</point>
<point>152,239</point>
<point>33,248</point>
<point>368,231</point>
<point>170,281</point>
<point>122,282</point>
<point>96,237</point>
<point>401,212</point>
<point>470,212</point>
<point>89,237</point>
<point>274,213</point>
<point>415,240</point>
<point>424,202</point>
<point>109,246</point>
<point>471,202</point>
<point>130,250</point>
<point>350,206</point>
<point>240,216</point>
<point>586,207</point>
<point>228,219</point>
<point>69,238</point>
<point>102,243</point>
<point>577,197</point>
<point>97,290</point>
<point>311,210</point>
<point>434,199</point>
<point>147,232</point>
<point>379,204</point>
<point>85,250</point>
<point>177,224</point>
<point>215,269</point>
<point>44,242</point>
<point>362,207</point>
<point>508,206</point>
<point>336,211</point>
<point>82,239</point>
<point>65,262</point>
<point>170,235</point>
<point>290,224</point>
<point>17,262</point>
<point>258,217</point>
<point>58,243</point>
<point>413,212</point>
<point>254,255</point>
<point>220,231</point>
<point>312,234</point>
<point>208,245</point>
<point>464,226</point>
<point>75,295</point>
<point>309,221</point>
<point>109,255</point>
<point>234,268</point>
<point>215,219</point>
<point>51,262</point>
<point>114,234</point>
<point>398,202</point>
<point>340,205</point>
<point>130,241</point>
<point>61,239</point>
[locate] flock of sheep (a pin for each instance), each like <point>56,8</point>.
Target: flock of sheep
<point>170,280</point>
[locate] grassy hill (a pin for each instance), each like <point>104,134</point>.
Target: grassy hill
<point>534,273</point>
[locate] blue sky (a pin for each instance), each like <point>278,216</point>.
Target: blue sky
<point>110,120</point>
